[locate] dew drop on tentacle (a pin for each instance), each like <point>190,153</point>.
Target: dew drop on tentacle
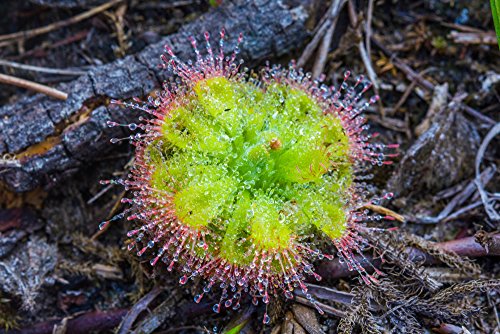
<point>266,319</point>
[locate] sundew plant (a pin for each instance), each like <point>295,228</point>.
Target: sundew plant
<point>245,179</point>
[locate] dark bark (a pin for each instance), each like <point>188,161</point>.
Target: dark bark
<point>53,139</point>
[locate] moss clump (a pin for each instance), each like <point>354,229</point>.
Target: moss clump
<point>257,167</point>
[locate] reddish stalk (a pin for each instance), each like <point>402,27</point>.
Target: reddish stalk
<point>95,321</point>
<point>467,247</point>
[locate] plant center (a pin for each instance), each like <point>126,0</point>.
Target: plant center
<point>259,167</point>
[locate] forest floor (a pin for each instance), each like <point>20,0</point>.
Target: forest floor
<point>435,66</point>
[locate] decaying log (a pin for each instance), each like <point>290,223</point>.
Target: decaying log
<point>53,139</point>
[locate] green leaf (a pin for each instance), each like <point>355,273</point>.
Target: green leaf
<point>495,10</point>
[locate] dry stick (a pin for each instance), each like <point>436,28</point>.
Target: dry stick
<point>327,293</point>
<point>404,97</point>
<point>140,306</point>
<point>40,69</point>
<point>102,321</point>
<point>22,35</point>
<point>94,321</point>
<point>365,57</point>
<point>385,211</point>
<point>68,40</point>
<point>461,211</point>
<point>309,49</point>
<point>458,199</point>
<point>466,247</point>
<point>111,213</point>
<point>364,53</point>
<point>319,65</point>
<point>327,308</point>
<point>7,161</point>
<point>483,37</point>
<point>489,203</point>
<point>412,75</point>
<point>52,92</point>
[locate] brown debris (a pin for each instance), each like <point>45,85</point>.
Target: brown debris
<point>435,161</point>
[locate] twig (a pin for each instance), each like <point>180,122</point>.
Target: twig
<point>438,102</point>
<point>167,5</point>
<point>365,57</point>
<point>23,35</point>
<point>140,306</point>
<point>323,292</point>
<point>457,200</point>
<point>484,37</point>
<point>368,27</point>
<point>351,10</point>
<point>52,92</point>
<point>40,51</point>
<point>95,321</point>
<point>111,213</point>
<point>313,44</point>
<point>326,308</point>
<point>385,211</point>
<point>461,211</point>
<point>467,247</point>
<point>412,75</point>
<point>460,27</point>
<point>40,69</point>
<point>364,51</point>
<point>319,65</point>
<point>489,203</point>
<point>118,22</point>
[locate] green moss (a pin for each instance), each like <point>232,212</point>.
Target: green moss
<point>254,166</point>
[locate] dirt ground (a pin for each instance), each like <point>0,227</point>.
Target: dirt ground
<point>434,64</point>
